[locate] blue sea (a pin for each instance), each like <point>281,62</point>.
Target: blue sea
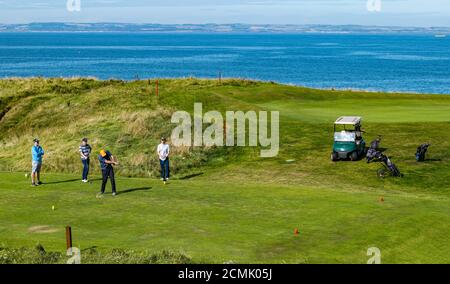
<point>406,63</point>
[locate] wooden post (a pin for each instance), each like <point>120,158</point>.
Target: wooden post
<point>157,88</point>
<point>220,77</point>
<point>68,237</point>
<point>150,86</point>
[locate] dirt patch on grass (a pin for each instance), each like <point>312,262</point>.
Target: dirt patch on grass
<point>42,229</point>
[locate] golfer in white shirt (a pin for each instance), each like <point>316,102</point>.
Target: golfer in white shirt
<point>163,154</point>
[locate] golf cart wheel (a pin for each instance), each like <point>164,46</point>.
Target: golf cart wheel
<point>334,157</point>
<point>354,156</point>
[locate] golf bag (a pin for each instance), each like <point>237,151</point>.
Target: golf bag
<point>421,151</point>
<point>373,150</point>
<point>389,167</point>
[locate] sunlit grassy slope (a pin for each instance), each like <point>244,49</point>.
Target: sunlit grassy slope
<point>226,203</point>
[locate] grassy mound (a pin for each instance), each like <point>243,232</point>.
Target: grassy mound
<point>126,118</point>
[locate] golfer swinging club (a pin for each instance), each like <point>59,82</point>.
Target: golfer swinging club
<point>107,161</point>
<point>163,154</point>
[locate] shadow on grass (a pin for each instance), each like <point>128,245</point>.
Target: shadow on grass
<point>69,180</point>
<point>133,190</point>
<point>432,160</point>
<point>92,248</point>
<point>191,176</point>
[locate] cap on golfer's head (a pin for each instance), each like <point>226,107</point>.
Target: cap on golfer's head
<point>36,140</point>
<point>163,139</point>
<point>102,153</point>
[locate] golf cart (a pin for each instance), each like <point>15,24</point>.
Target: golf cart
<point>348,140</point>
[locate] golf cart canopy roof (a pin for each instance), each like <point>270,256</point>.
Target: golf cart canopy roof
<point>348,120</point>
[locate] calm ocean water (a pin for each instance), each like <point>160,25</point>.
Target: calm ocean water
<point>372,62</point>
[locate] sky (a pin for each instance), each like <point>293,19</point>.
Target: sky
<point>421,13</point>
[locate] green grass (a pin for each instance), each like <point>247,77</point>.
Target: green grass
<point>218,222</point>
<point>238,207</point>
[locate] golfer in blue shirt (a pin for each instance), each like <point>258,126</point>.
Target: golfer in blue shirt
<point>36,163</point>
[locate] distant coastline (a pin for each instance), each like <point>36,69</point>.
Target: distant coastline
<point>220,28</point>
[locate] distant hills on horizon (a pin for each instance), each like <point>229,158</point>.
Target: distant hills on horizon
<point>218,28</point>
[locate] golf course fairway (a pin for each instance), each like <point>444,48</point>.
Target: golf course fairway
<point>222,204</point>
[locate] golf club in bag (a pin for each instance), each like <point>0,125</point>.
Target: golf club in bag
<point>389,169</point>
<point>373,149</point>
<point>421,151</point>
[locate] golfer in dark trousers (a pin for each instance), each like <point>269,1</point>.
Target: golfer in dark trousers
<point>85,151</point>
<point>163,151</point>
<point>107,161</point>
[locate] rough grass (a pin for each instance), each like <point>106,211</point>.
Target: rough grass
<point>225,204</point>
<point>38,255</point>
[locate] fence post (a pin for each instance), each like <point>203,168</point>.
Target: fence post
<point>68,237</point>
